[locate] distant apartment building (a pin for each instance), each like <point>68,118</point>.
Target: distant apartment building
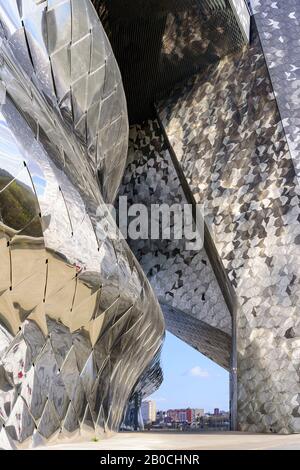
<point>194,418</point>
<point>186,415</point>
<point>148,409</point>
<point>173,416</point>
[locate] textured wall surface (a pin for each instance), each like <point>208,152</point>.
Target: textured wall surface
<point>226,131</point>
<point>279,27</point>
<point>182,279</point>
<point>79,323</point>
<point>160,42</point>
<point>60,46</point>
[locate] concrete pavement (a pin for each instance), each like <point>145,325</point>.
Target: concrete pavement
<point>168,440</point>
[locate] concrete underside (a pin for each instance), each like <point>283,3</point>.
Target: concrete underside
<point>172,440</point>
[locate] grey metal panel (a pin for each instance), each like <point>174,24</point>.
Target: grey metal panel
<point>227,133</point>
<point>63,281</point>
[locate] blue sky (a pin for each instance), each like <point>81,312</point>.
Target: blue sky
<point>190,379</point>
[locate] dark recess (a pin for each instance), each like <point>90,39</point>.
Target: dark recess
<point>159,43</point>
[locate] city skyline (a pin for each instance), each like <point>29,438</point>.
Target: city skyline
<point>205,383</point>
<point>165,410</point>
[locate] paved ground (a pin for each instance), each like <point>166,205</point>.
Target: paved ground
<point>190,441</point>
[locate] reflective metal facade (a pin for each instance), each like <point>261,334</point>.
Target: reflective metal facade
<point>78,320</point>
<point>184,280</point>
<point>228,135</point>
<point>158,43</point>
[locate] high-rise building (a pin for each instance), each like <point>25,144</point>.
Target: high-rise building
<point>148,411</point>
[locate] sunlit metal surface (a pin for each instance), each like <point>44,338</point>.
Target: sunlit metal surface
<point>148,383</point>
<point>158,43</point>
<point>78,320</point>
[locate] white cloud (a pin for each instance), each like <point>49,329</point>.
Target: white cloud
<point>198,372</point>
<point>157,399</point>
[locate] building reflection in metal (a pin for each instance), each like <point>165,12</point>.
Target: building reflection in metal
<point>149,382</point>
<point>78,321</point>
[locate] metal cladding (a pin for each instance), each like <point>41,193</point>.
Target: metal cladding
<point>80,328</point>
<point>227,133</point>
<point>183,279</point>
<point>230,137</point>
<point>157,43</point>
<point>278,26</point>
<point>79,323</point>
